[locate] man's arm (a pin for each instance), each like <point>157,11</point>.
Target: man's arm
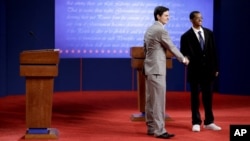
<point>167,43</point>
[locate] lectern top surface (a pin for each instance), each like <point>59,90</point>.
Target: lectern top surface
<point>43,56</point>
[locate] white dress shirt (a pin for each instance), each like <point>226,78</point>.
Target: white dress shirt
<point>197,34</point>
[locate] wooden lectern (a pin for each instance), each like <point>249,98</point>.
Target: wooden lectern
<point>137,60</point>
<point>39,67</point>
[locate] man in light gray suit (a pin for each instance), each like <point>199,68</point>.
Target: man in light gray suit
<point>156,42</point>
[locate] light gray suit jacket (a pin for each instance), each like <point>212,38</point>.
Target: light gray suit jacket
<point>156,42</point>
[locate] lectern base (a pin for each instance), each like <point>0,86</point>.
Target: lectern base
<point>141,117</point>
<point>53,134</point>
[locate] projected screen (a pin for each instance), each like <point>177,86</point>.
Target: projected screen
<point>108,28</point>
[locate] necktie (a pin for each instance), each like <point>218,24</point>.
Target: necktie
<point>201,40</point>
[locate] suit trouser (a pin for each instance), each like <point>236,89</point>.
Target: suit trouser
<point>207,96</point>
<point>155,103</point>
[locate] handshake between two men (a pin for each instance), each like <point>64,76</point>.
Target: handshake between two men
<point>185,61</point>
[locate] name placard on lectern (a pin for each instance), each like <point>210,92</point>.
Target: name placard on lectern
<point>39,67</point>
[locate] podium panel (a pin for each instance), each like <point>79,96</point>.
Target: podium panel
<point>39,98</point>
<point>38,70</point>
<point>39,67</point>
<point>137,61</point>
<point>45,56</point>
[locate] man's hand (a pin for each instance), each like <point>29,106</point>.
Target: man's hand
<point>185,61</point>
<point>216,74</point>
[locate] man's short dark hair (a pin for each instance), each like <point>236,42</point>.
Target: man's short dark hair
<point>159,10</point>
<point>192,14</point>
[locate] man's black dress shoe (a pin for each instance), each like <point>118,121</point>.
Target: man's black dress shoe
<point>165,136</point>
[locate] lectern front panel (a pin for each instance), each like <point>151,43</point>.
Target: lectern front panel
<point>39,102</point>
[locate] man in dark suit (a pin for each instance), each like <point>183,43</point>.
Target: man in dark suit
<point>198,45</point>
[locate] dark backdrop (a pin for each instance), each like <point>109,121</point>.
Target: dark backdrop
<point>20,18</point>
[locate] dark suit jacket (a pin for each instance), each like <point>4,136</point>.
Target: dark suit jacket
<point>203,63</point>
